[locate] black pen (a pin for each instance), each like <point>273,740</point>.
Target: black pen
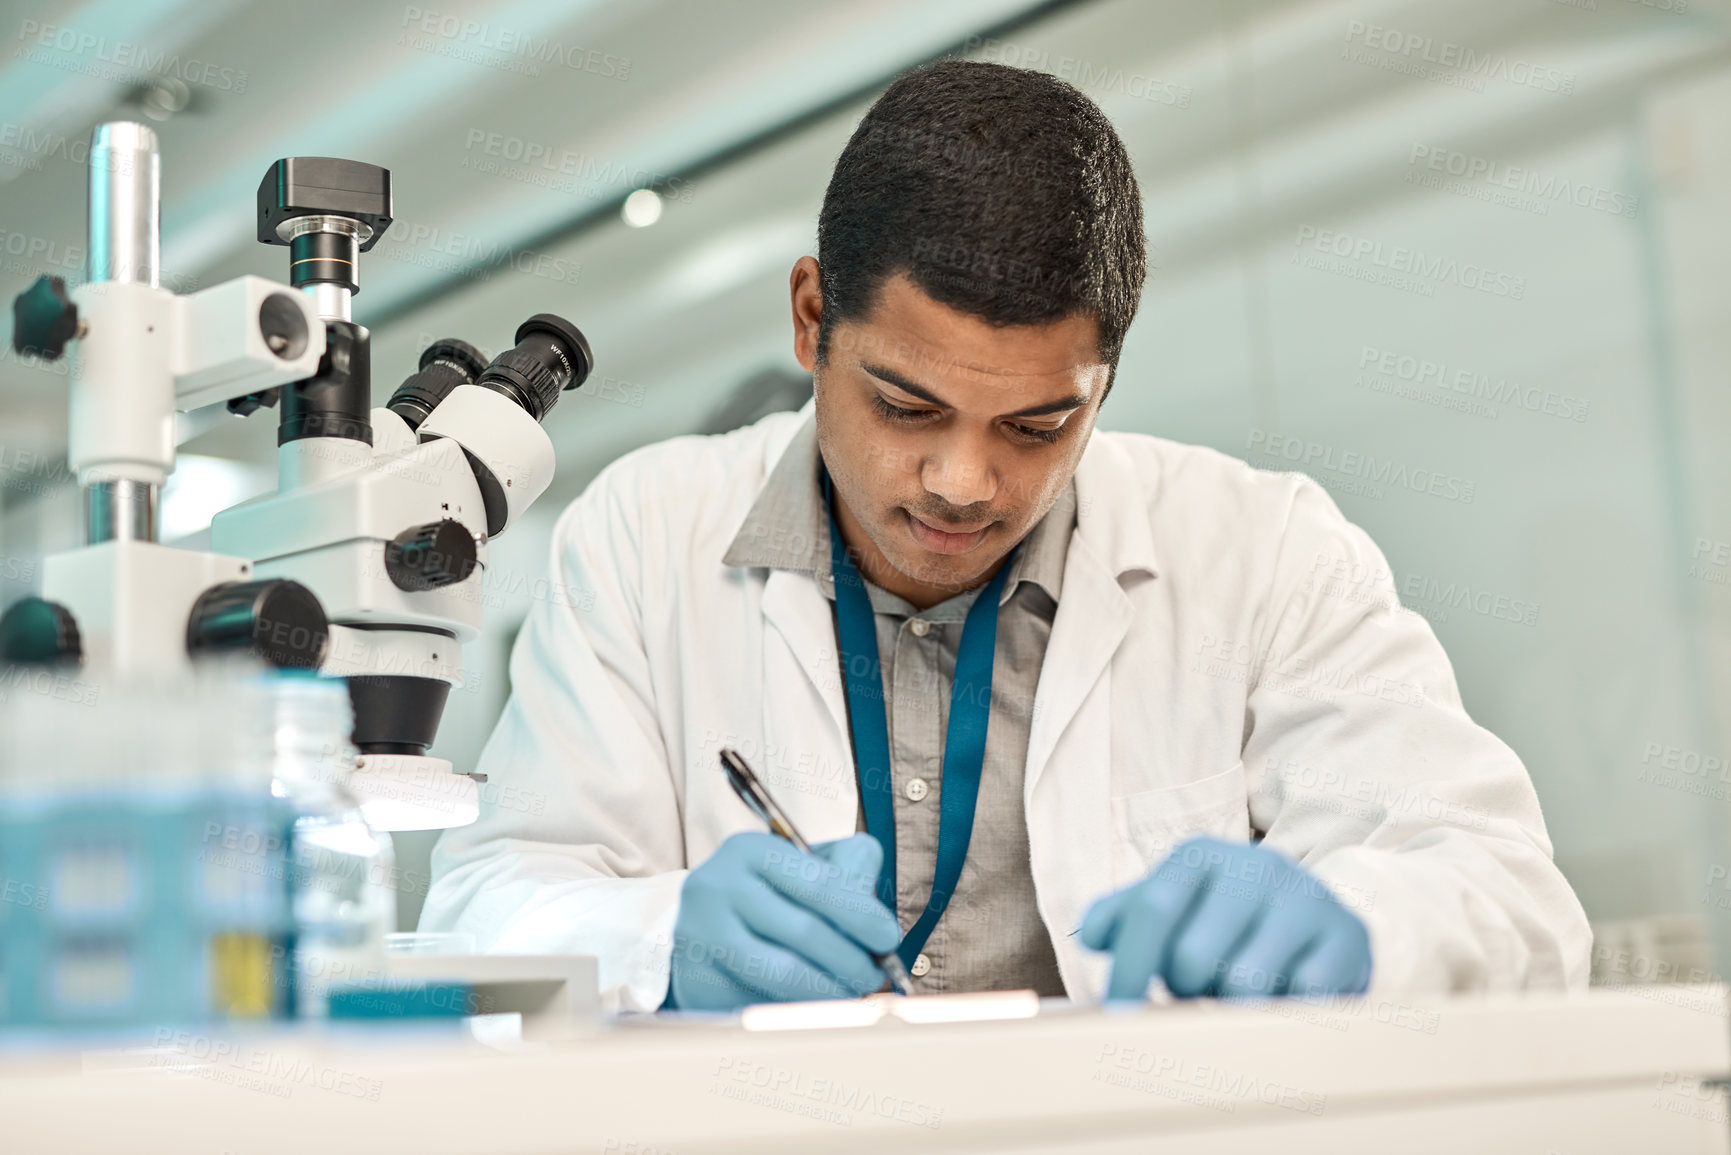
<point>751,792</point>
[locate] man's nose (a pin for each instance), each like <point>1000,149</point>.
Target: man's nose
<point>962,475</point>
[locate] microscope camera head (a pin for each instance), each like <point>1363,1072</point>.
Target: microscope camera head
<point>326,210</point>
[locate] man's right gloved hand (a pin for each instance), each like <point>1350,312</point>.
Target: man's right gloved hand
<point>762,921</point>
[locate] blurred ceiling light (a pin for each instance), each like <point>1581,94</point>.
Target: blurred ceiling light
<point>642,208</point>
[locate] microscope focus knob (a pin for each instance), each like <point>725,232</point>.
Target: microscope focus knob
<point>36,631</point>
<point>425,557</point>
<point>43,319</point>
<point>279,620</point>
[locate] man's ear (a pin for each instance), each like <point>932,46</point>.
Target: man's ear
<point>807,300</point>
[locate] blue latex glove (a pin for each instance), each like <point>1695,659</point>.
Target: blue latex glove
<point>1230,919</point>
<point>762,921</point>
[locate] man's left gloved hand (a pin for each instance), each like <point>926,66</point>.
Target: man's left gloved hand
<point>1230,919</point>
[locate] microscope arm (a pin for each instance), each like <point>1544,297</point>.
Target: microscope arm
<point>242,336</point>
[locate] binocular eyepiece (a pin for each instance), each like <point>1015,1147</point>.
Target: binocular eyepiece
<point>328,210</point>
<point>551,355</point>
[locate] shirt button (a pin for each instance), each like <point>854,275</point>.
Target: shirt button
<point>917,789</point>
<point>922,966</point>
<point>920,627</point>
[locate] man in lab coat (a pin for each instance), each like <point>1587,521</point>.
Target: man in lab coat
<point>1067,710</point>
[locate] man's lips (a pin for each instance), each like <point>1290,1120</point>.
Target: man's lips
<point>945,540</point>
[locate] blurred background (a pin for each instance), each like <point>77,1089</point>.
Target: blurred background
<point>1480,240</point>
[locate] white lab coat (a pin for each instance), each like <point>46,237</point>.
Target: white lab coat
<point>1228,658</point>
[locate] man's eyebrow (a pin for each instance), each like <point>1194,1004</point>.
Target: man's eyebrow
<point>890,377</point>
<point>1073,401</point>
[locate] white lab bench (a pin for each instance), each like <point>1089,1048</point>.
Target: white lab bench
<point>1629,1070</point>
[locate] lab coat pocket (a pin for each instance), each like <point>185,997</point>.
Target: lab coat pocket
<point>1148,824</point>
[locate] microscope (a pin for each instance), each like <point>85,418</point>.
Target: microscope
<point>366,563</point>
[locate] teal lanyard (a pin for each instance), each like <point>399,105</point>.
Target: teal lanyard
<point>964,746</point>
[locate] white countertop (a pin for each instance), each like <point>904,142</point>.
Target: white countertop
<point>1630,1070</point>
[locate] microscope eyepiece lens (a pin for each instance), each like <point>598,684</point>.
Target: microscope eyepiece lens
<point>444,366</point>
<point>550,356</point>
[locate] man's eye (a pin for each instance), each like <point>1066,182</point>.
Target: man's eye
<point>1038,434</point>
<point>896,412</point>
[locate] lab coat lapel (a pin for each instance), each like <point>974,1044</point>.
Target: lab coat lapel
<point>1093,617</point>
<point>796,609</point>
<point>1112,538</point>
<point>1070,755</point>
<point>1067,784</point>
<point>800,655</point>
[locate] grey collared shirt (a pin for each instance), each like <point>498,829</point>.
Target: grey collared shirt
<point>991,937</point>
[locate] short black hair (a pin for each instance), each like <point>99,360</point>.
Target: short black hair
<point>1002,192</point>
